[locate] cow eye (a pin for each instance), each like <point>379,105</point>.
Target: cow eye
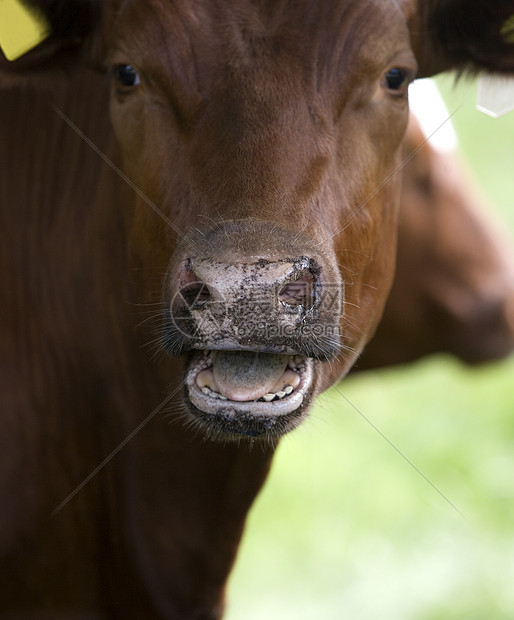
<point>127,76</point>
<point>395,79</point>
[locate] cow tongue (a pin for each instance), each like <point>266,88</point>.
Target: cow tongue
<point>247,375</point>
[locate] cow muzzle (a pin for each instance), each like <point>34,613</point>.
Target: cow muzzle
<point>254,324</point>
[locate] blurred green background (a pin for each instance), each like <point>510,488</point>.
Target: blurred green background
<point>346,528</point>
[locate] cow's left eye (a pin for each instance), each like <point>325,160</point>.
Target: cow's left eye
<point>127,76</point>
<point>395,79</point>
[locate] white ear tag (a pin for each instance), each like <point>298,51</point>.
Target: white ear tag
<point>495,94</point>
<point>21,28</point>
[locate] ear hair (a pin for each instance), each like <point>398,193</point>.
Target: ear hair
<point>70,20</point>
<point>465,35</point>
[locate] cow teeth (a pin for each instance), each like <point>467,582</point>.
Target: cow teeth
<point>279,394</point>
<point>213,394</point>
<point>207,390</point>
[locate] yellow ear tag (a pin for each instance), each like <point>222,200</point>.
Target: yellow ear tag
<point>21,28</point>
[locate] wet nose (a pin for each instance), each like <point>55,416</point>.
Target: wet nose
<point>276,306</point>
<point>262,285</point>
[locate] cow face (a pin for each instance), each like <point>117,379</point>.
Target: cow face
<point>263,142</point>
<point>268,138</point>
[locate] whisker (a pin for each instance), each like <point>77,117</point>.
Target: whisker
<point>300,233</point>
<point>146,304</point>
<point>148,320</point>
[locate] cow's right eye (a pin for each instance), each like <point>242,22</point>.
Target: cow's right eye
<point>395,79</point>
<point>127,76</point>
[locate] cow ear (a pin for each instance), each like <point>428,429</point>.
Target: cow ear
<point>461,34</point>
<point>69,25</point>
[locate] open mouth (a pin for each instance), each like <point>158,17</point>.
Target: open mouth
<point>248,392</point>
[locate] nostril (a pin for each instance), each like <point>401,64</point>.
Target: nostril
<point>192,290</point>
<point>195,294</point>
<point>299,292</point>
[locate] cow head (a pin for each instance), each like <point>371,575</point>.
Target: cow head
<point>266,136</point>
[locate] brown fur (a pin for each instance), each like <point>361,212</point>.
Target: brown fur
<point>249,110</point>
<point>453,289</point>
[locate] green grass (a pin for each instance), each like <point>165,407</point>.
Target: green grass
<point>395,500</point>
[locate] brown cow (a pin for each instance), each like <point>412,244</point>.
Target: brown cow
<point>453,289</point>
<point>258,143</point>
